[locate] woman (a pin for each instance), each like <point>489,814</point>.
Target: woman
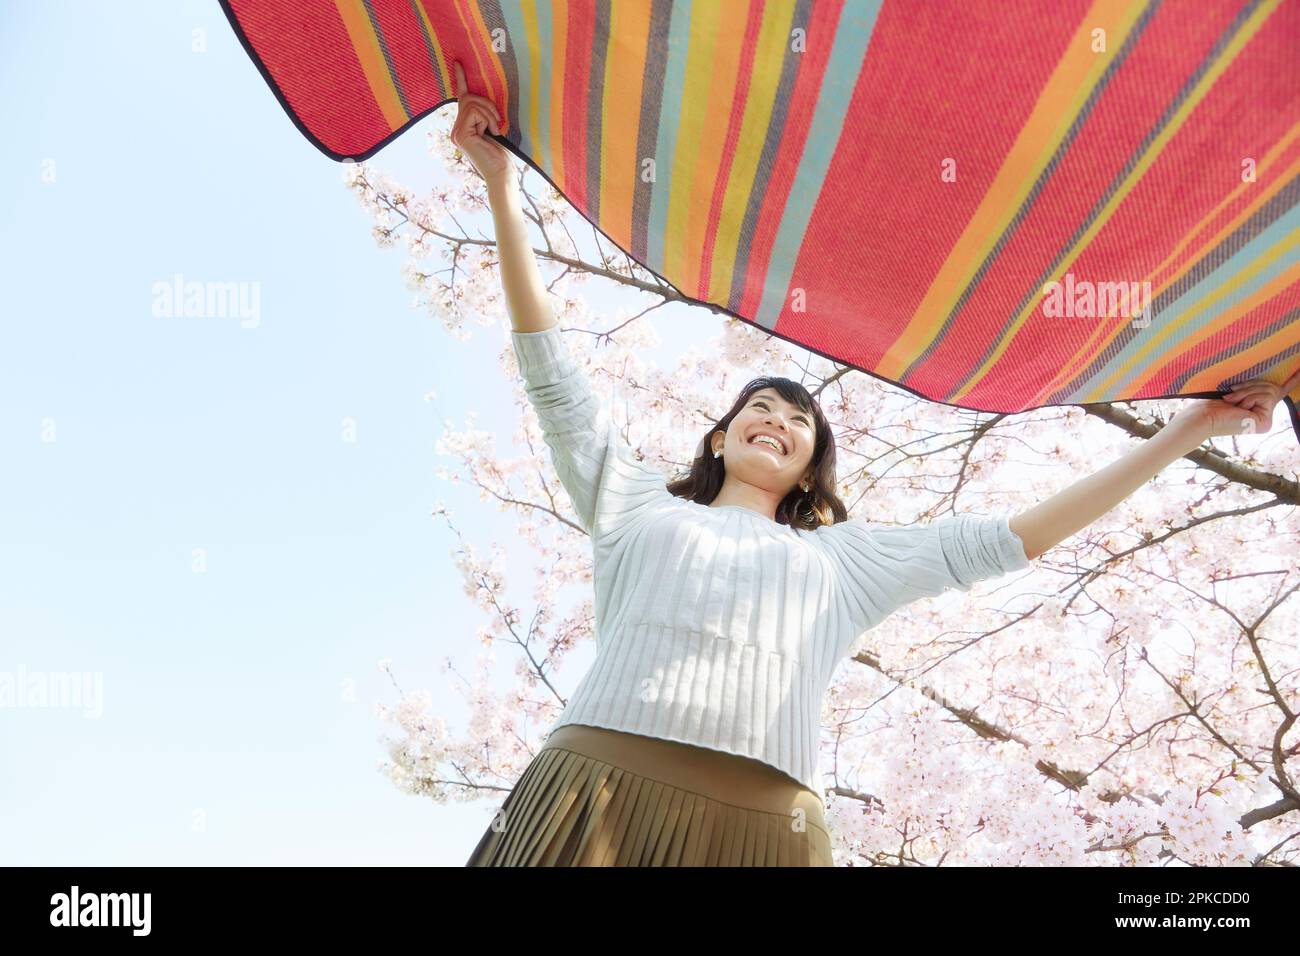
<point>725,599</point>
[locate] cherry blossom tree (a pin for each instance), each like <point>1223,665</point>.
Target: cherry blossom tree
<point>1127,701</point>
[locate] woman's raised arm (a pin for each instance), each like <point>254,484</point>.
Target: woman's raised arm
<point>526,296</point>
<point>476,116</point>
<point>605,480</point>
<point>1247,408</point>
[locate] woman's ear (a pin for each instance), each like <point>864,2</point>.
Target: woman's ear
<point>705,447</point>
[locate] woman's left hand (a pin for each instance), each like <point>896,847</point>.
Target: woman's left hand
<point>1246,409</point>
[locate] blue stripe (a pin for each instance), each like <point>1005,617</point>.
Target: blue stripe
<point>513,14</point>
<point>852,35</point>
<point>670,115</point>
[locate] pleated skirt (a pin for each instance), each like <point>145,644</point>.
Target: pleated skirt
<point>599,797</point>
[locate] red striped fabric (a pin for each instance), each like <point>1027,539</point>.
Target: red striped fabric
<point>997,204</point>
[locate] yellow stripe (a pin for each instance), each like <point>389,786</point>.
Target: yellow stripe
<point>1153,152</point>
<point>721,71</point>
<point>693,133</point>
<point>366,46</point>
<point>692,125</point>
<point>773,36</point>
<point>1075,77</point>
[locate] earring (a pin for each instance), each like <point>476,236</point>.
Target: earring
<point>718,453</point>
<point>805,488</point>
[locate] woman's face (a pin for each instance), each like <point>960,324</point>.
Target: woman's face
<point>757,462</point>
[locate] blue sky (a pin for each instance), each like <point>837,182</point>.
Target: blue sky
<point>131,439</point>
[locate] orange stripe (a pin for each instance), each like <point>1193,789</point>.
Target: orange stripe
<point>366,46</point>
<point>620,119</point>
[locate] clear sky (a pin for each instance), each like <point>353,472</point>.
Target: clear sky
<point>219,731</point>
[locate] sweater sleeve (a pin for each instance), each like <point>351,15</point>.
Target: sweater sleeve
<point>599,470</point>
<point>880,568</point>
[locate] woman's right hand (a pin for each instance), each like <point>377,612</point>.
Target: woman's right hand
<point>475,116</point>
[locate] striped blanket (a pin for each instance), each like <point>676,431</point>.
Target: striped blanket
<point>996,204</point>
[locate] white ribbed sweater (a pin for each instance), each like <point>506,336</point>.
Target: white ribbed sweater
<point>717,626</point>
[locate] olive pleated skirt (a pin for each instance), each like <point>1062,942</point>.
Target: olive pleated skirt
<point>599,797</point>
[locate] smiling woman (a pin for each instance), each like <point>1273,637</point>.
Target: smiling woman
<point>773,452</point>
<point>693,739</point>
<point>724,599</point>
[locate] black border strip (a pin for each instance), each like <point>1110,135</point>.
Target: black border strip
<point>359,157</point>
